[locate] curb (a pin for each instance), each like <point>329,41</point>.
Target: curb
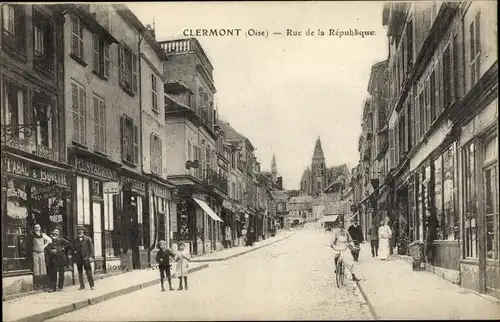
<point>239,254</point>
<point>368,302</point>
<point>91,301</point>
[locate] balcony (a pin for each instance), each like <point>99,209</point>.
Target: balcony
<point>212,178</point>
<point>179,46</point>
<point>21,139</point>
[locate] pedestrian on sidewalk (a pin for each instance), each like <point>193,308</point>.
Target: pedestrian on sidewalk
<point>57,260</point>
<point>182,258</point>
<point>228,236</point>
<point>357,236</point>
<point>163,260</point>
<point>244,234</point>
<point>40,242</point>
<point>374,239</point>
<point>384,235</point>
<point>84,256</point>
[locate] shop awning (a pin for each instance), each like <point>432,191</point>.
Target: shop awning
<point>330,218</point>
<point>207,209</point>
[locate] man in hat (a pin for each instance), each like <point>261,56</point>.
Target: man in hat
<point>83,256</point>
<point>57,260</point>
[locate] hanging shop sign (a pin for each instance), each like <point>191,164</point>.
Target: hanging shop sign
<point>90,167</point>
<point>25,168</point>
<point>111,188</point>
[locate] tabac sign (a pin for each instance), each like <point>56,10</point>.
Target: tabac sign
<point>25,168</point>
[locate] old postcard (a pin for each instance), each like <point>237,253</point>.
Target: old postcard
<point>211,161</point>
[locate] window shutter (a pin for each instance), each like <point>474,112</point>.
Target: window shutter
<point>97,129</point>
<point>107,60</point>
<point>81,94</point>
<point>136,144</point>
<point>134,73</point>
<point>124,139</point>
<point>121,63</point>
<point>416,130</point>
<point>397,147</point>
<point>102,121</point>
<point>477,45</point>
<point>76,112</point>
<point>74,36</point>
<point>95,52</point>
<point>152,152</point>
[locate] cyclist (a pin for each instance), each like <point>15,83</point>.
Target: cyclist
<point>341,241</point>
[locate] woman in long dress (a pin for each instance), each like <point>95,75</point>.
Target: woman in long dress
<point>384,235</point>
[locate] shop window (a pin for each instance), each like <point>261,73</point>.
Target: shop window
<point>99,124</point>
<point>470,201</point>
<point>108,225</point>
<point>14,27</point>
<point>83,199</point>
<point>438,197</point>
<point>450,229</point>
<point>101,56</point>
<point>43,36</point>
<point>15,252</point>
<point>490,174</point>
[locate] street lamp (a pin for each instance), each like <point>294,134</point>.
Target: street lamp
<point>11,131</point>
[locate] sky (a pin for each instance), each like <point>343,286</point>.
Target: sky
<point>283,92</point>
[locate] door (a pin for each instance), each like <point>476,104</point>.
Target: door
<point>97,234</point>
<point>492,243</point>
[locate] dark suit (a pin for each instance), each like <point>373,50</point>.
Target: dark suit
<point>57,261</point>
<point>357,236</point>
<point>83,252</point>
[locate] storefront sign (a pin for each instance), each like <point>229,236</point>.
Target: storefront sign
<point>25,168</point>
<point>133,183</point>
<point>45,192</point>
<point>160,191</point>
<point>111,188</point>
<point>88,166</point>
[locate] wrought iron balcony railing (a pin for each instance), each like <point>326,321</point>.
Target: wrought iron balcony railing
<point>214,179</point>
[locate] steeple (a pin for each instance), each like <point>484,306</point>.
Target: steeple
<point>318,150</point>
<point>274,168</point>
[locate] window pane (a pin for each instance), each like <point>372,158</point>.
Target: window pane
<point>438,198</point>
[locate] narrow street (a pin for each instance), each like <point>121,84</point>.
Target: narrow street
<point>292,279</point>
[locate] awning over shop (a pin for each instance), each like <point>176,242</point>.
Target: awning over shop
<point>207,209</point>
<point>330,218</point>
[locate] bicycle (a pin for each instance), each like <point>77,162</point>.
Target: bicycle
<point>339,270</point>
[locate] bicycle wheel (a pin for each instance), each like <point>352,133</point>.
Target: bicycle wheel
<point>342,273</point>
<point>338,272</point>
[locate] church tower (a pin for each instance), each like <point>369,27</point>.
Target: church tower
<point>274,169</point>
<point>318,170</point>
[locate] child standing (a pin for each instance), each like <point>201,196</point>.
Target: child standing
<point>182,258</point>
<point>163,260</point>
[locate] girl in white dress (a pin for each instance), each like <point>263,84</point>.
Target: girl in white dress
<point>182,258</point>
<point>384,235</point>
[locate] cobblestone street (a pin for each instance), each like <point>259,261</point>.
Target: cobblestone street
<point>292,279</point>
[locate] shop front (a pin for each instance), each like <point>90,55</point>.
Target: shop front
<point>480,237</point>
<point>229,218</point>
<point>32,193</point>
<point>159,207</point>
<point>97,207</point>
<point>135,220</point>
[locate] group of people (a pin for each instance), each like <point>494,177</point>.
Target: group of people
<point>181,257</point>
<point>249,235</point>
<point>380,238</point>
<point>52,254</point>
<point>351,239</point>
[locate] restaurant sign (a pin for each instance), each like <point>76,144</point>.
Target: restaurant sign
<point>25,168</point>
<point>88,166</point>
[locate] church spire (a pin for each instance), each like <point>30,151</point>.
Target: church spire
<point>318,150</point>
<point>274,168</point>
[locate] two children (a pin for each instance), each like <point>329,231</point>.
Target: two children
<point>182,258</point>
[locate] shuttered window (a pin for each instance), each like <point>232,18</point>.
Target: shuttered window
<point>76,37</point>
<point>475,49</point>
<point>418,103</point>
<point>154,92</point>
<point>156,154</point>
<point>434,97</point>
<point>457,67</point>
<point>130,141</point>
<point>78,104</point>
<point>128,69</point>
<point>409,122</point>
<point>99,124</point>
<point>447,79</point>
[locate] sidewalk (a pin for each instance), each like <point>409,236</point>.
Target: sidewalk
<point>394,291</point>
<point>43,306</point>
<point>241,250</point>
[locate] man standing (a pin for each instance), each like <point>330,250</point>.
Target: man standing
<point>57,260</point>
<point>40,242</point>
<point>357,236</point>
<point>84,255</point>
<point>374,239</point>
<point>228,236</point>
